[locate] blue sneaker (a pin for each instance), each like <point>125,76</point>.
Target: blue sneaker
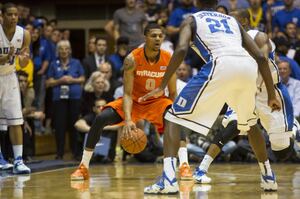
<point>4,164</point>
<point>20,167</point>
<point>163,186</point>
<point>268,183</point>
<point>201,177</point>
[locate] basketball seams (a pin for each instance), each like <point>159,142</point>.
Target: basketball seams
<point>136,144</point>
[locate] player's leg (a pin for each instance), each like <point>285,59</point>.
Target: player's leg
<point>257,142</point>
<point>107,117</point>
<point>13,112</point>
<point>185,171</point>
<point>167,183</point>
<point>215,148</point>
<point>3,163</point>
<point>280,126</point>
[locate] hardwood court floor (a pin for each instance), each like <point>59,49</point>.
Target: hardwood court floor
<point>127,181</point>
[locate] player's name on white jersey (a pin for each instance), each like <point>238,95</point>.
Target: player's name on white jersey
<point>146,73</point>
<point>212,14</point>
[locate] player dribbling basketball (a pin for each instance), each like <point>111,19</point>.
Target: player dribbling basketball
<point>144,68</point>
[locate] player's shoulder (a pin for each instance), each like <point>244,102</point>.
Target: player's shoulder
<point>165,53</point>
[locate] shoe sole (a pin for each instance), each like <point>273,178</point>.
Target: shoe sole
<point>161,193</point>
<point>23,172</point>
<point>269,187</point>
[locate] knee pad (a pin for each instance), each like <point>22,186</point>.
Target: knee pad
<point>222,137</point>
<point>284,154</point>
<point>279,141</point>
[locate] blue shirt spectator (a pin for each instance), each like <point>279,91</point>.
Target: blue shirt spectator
<point>275,7</point>
<point>74,69</point>
<point>285,16</point>
<point>39,49</point>
<point>179,14</point>
<point>295,68</point>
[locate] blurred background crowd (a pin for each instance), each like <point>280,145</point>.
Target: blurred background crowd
<point>74,72</point>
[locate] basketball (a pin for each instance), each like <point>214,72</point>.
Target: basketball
<point>136,143</point>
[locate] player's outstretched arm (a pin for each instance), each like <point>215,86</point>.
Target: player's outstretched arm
<point>185,36</point>
<point>252,48</point>
<point>25,52</point>
<point>129,67</point>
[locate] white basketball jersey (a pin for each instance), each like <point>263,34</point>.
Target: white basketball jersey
<point>273,67</point>
<point>16,42</point>
<point>217,35</point>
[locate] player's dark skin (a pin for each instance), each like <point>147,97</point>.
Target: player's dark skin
<point>185,37</point>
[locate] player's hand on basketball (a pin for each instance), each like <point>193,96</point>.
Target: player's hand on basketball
<point>128,128</point>
<point>274,104</point>
<point>154,93</point>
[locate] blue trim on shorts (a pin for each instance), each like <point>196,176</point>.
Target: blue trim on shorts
<point>187,99</point>
<point>287,106</point>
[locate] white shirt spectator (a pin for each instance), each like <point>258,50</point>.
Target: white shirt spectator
<point>293,87</point>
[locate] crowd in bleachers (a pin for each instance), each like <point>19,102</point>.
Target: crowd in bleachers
<point>62,91</point>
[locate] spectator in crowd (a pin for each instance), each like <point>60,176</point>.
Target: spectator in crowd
<point>272,6</point>
<point>53,40</point>
<point>106,69</point>
<point>85,122</point>
<point>282,47</point>
<point>222,9</point>
<point>65,76</point>
<point>41,59</point>
<point>28,69</point>
<point>96,87</point>
<point>186,9</point>
<point>257,21</point>
<point>293,38</point>
<point>29,114</point>
<point>130,22</point>
<point>152,9</point>
<point>66,35</point>
<point>293,85</point>
<point>184,72</point>
<point>92,62</point>
<point>91,48</point>
<point>53,23</point>
<point>24,13</point>
<point>118,57</point>
<point>233,5</point>
<point>283,17</point>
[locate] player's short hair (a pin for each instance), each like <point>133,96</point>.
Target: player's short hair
<point>151,26</point>
<point>22,73</point>
<point>7,6</point>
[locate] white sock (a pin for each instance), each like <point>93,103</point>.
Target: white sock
<point>86,158</point>
<point>169,167</point>
<point>204,165</point>
<point>265,168</point>
<point>18,151</point>
<point>183,155</point>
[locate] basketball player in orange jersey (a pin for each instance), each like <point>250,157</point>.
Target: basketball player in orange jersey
<point>144,68</point>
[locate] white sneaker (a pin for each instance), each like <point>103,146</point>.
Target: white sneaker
<point>20,167</point>
<point>163,186</point>
<point>201,177</point>
<point>268,183</point>
<point>4,164</point>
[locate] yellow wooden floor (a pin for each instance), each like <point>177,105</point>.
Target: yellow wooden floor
<point>127,181</point>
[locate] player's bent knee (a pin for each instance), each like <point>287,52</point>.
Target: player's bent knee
<point>279,141</point>
<point>284,154</point>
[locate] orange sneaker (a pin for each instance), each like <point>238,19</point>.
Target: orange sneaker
<point>81,173</point>
<point>185,172</point>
